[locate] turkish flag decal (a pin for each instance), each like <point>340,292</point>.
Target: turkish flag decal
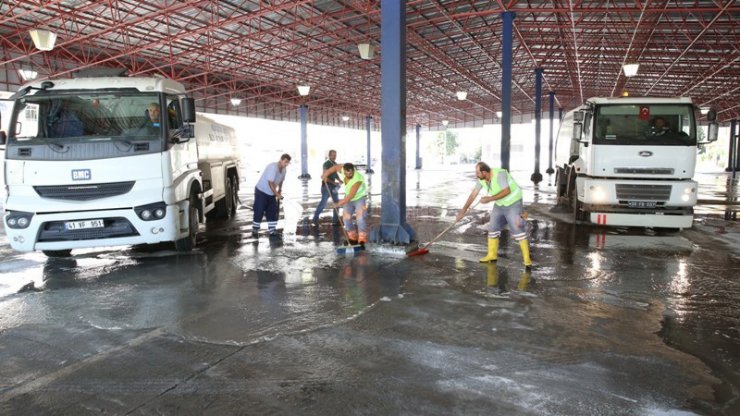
<point>644,113</point>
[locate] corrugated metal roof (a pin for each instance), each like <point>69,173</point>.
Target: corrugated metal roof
<point>260,51</point>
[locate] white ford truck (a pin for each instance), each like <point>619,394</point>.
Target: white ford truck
<point>94,162</point>
<point>630,161</point>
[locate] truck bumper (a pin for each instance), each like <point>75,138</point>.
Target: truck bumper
<point>654,220</point>
<point>638,202</point>
<point>122,227</point>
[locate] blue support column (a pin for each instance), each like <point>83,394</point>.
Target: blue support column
<point>303,111</point>
<point>735,126</point>
<point>550,169</point>
<point>393,227</point>
<point>506,46</point>
<point>537,176</point>
<point>418,141</point>
<point>368,126</point>
<point>732,162</point>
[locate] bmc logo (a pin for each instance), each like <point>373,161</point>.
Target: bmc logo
<point>645,153</point>
<point>81,174</point>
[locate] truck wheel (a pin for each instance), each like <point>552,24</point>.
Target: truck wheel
<point>575,204</point>
<point>560,184</point>
<point>57,253</point>
<point>225,206</point>
<point>188,243</point>
<point>234,195</point>
<point>578,213</point>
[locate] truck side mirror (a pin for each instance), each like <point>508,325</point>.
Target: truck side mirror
<point>587,123</point>
<point>712,132</point>
<point>577,131</point>
<point>711,115</point>
<point>188,110</point>
<point>3,137</point>
<point>578,116</point>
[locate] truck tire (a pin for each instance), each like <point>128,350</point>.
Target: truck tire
<point>57,253</point>
<point>561,185</point>
<point>188,243</point>
<point>225,206</point>
<point>577,208</point>
<point>578,213</point>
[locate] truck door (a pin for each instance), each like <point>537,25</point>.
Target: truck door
<point>184,153</point>
<point>5,107</point>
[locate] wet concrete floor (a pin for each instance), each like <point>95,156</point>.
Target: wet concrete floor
<point>608,322</point>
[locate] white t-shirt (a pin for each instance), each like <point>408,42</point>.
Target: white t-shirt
<point>271,174</point>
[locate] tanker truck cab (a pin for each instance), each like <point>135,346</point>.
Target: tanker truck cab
<point>630,161</point>
<point>95,162</point>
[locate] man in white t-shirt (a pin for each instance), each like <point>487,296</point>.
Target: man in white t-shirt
<point>267,193</point>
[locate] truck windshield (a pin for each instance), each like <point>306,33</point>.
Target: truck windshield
<point>653,125</point>
<point>81,117</point>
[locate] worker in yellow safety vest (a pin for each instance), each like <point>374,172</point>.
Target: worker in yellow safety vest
<point>501,189</point>
<point>354,202</point>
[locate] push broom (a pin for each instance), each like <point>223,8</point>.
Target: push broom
<point>425,248</point>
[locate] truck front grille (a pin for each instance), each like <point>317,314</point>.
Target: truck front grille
<point>645,171</point>
<point>114,227</point>
<point>84,192</point>
<point>629,192</point>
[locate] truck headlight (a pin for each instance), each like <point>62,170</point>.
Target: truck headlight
<point>598,194</point>
<point>151,212</point>
<point>18,220</point>
<point>687,193</point>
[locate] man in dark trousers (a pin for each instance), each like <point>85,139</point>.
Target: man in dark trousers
<point>267,193</point>
<point>332,183</point>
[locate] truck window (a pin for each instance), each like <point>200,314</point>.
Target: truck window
<point>86,117</point>
<point>26,122</point>
<point>174,116</point>
<point>654,125</point>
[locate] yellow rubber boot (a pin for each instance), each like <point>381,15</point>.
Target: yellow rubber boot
<point>492,251</point>
<point>524,245</point>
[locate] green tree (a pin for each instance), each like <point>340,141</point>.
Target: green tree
<point>446,143</point>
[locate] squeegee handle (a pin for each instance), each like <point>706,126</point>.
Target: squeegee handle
<point>449,227</point>
<point>440,235</point>
<point>336,211</point>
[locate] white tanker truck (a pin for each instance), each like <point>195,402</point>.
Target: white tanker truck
<point>630,161</point>
<point>94,162</point>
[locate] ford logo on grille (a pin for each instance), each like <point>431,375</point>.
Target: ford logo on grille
<point>81,175</point>
<point>645,153</point>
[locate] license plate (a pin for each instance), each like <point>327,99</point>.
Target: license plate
<point>83,225</point>
<point>641,204</point>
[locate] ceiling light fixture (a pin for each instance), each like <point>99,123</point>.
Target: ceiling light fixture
<point>630,70</point>
<point>445,122</point>
<point>345,118</point>
<point>462,95</point>
<point>499,114</point>
<point>43,40</point>
<point>704,110</point>
<point>28,74</point>
<point>236,101</point>
<point>304,90</point>
<point>367,50</point>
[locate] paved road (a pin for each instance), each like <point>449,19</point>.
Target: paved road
<point>609,322</point>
